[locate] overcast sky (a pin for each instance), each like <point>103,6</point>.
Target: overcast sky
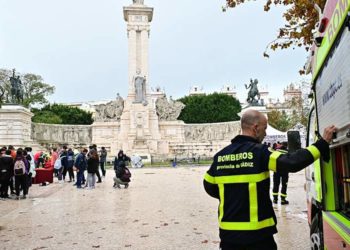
<point>80,46</point>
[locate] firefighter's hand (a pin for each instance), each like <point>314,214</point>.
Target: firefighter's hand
<point>328,133</point>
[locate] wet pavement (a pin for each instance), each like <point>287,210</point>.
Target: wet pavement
<point>164,208</point>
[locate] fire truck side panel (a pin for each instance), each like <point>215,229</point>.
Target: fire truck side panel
<point>333,88</point>
<point>337,229</point>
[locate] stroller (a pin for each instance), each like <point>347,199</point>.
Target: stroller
<point>136,161</point>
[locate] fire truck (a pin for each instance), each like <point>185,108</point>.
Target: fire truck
<point>328,183</point>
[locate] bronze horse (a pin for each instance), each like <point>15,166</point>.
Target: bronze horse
<point>253,91</point>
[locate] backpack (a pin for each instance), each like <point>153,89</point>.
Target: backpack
<point>57,164</point>
<point>19,167</point>
<point>70,158</point>
<point>126,175</point>
<point>80,162</point>
<point>3,167</point>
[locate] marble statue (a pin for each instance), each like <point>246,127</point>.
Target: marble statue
<point>168,110</point>
<point>140,87</point>
<point>110,111</point>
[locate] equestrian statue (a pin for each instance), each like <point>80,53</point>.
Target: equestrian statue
<point>253,92</point>
<point>16,88</point>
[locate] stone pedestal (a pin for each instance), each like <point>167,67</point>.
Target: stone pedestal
<point>261,109</point>
<point>15,125</point>
<point>139,129</point>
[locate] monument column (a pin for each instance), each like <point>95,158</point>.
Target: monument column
<point>132,58</point>
<point>138,17</point>
<point>139,128</point>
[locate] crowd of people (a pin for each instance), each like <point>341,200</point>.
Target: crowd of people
<point>18,168</point>
<point>16,171</point>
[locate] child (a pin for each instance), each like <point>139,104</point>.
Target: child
<point>92,168</point>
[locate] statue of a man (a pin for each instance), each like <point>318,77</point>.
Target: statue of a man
<point>16,88</point>
<point>140,87</point>
<point>253,91</point>
<point>118,97</point>
<point>13,80</point>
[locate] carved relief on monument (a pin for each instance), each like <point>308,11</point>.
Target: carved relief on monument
<point>168,110</point>
<point>211,132</point>
<point>9,127</point>
<point>69,134</point>
<point>139,125</point>
<point>110,111</point>
<point>139,120</point>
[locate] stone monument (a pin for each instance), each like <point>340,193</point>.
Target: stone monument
<point>133,126</point>
<point>139,127</point>
<point>15,125</point>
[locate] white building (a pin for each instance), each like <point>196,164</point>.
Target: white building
<point>229,90</point>
<point>196,90</point>
<point>292,97</point>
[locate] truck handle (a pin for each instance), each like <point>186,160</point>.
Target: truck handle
<point>347,135</point>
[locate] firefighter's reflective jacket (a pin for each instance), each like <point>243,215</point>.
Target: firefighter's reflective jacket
<point>239,177</point>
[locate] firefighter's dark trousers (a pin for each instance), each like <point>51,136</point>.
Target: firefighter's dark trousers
<point>277,178</point>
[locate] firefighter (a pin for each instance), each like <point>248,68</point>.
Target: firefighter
<point>239,177</point>
<point>280,178</point>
